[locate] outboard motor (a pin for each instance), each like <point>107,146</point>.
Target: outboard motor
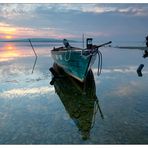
<point>89,43</point>
<point>66,43</point>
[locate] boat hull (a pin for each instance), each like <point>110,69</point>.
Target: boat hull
<point>74,62</point>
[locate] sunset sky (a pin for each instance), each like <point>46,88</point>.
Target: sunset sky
<point>100,21</point>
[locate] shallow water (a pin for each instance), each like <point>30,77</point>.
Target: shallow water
<point>31,112</point>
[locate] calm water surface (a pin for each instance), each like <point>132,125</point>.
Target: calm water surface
<point>34,112</point>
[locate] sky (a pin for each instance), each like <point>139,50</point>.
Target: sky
<point>125,21</point>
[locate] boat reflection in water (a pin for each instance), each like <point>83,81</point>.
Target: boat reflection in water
<point>79,99</point>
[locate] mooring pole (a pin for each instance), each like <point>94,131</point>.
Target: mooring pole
<point>139,70</point>
<point>32,48</point>
<point>34,54</point>
<point>83,40</point>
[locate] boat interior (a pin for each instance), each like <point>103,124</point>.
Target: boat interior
<point>64,48</point>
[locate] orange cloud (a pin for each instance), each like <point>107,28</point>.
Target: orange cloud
<point>7,31</point>
<point>8,37</point>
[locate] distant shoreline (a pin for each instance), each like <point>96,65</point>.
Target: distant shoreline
<point>37,40</point>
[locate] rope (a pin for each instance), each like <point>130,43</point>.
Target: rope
<point>96,108</point>
<point>69,55</point>
<point>94,114</point>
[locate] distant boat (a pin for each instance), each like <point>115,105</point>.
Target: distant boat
<point>79,99</point>
<point>76,61</point>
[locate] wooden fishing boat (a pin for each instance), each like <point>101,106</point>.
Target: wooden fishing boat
<point>76,61</point>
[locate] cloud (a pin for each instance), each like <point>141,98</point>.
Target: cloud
<point>135,11</point>
<point>26,32</point>
<point>97,34</point>
<point>72,20</point>
<point>124,70</point>
<point>13,10</point>
<point>31,10</point>
<point>21,92</point>
<point>127,9</point>
<point>126,90</point>
<point>98,9</point>
<point>131,9</point>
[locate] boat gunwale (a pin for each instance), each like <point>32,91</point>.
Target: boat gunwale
<point>92,53</point>
<point>64,49</point>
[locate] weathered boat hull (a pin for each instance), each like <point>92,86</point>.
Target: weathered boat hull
<point>74,62</point>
